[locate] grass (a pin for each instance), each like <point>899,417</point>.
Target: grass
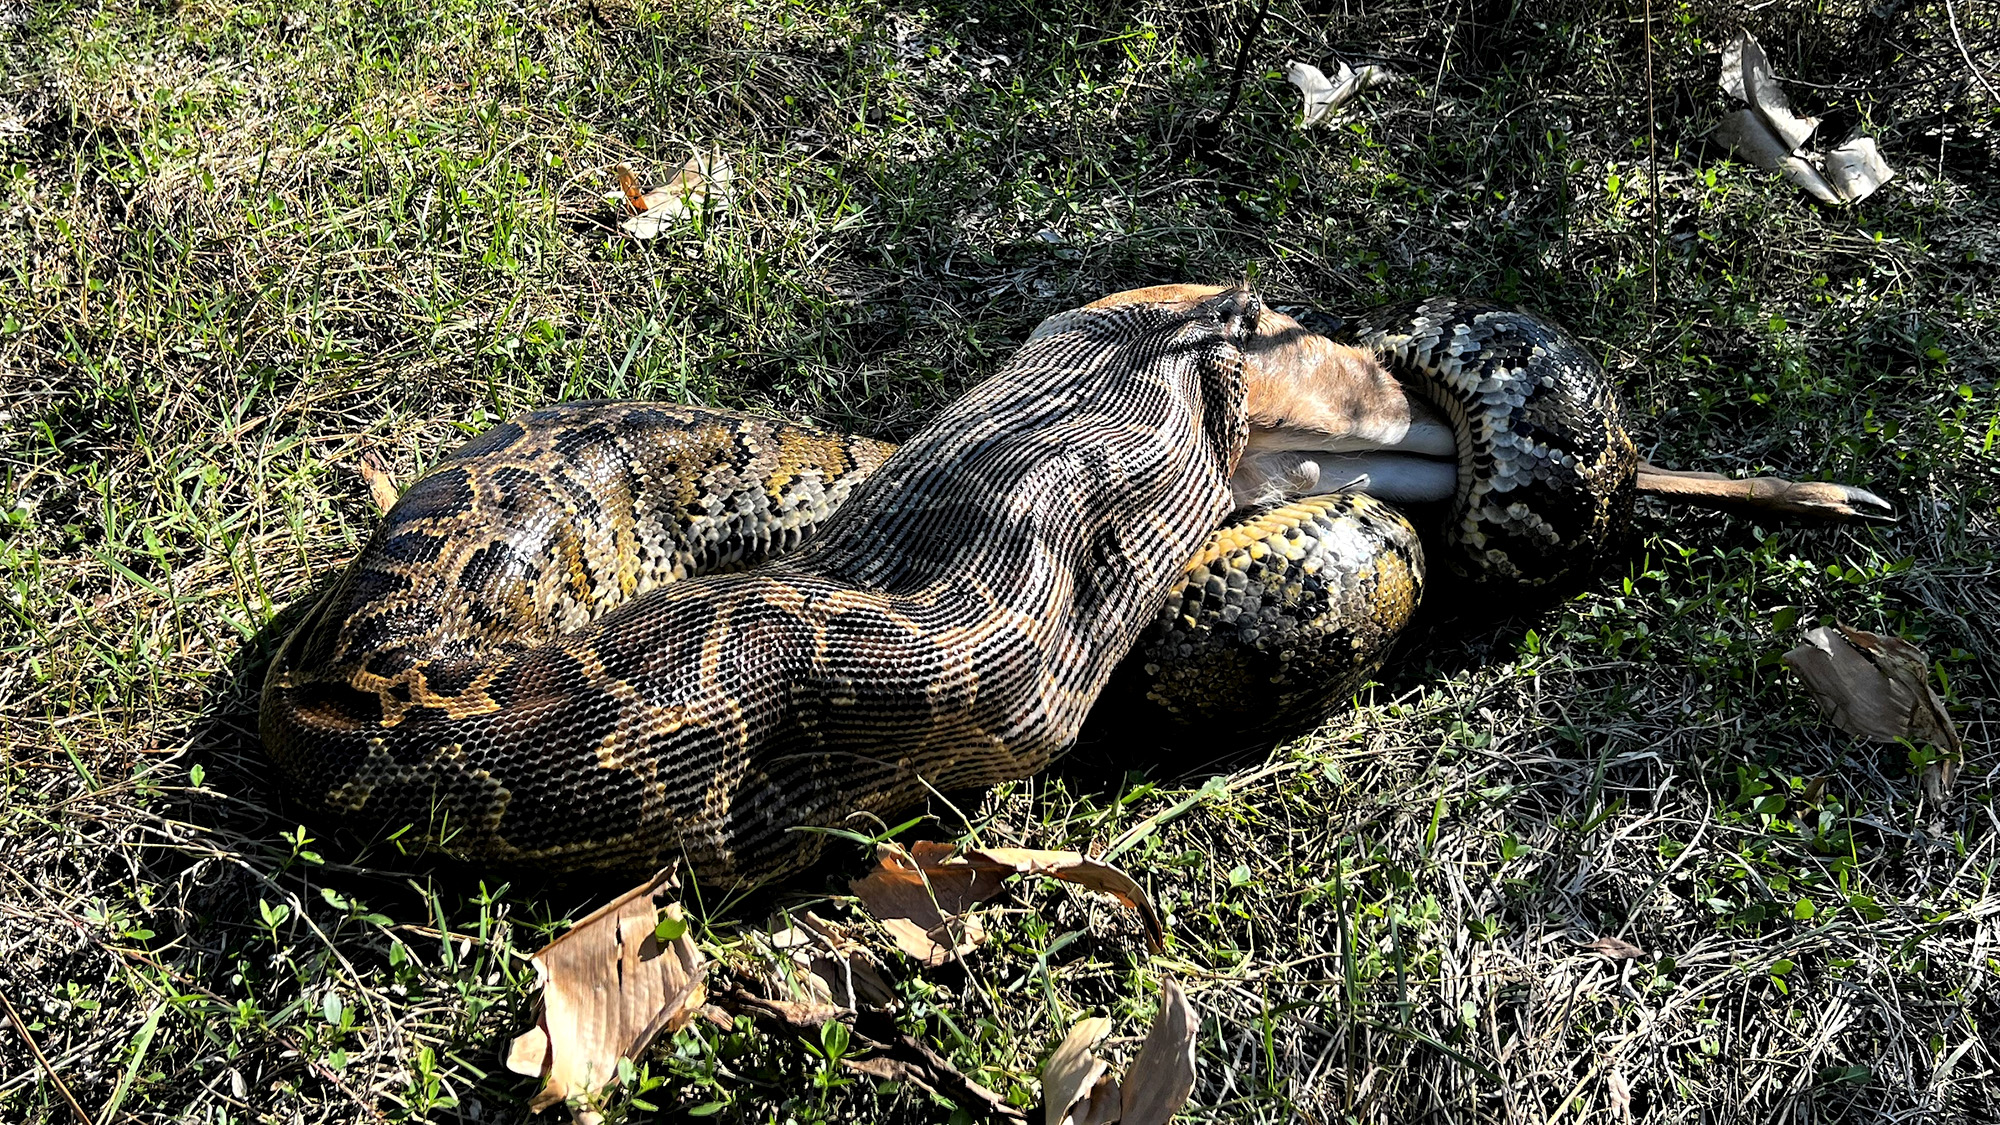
<point>241,245</point>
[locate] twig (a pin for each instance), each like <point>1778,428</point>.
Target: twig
<point>55,1079</point>
<point>1242,61</point>
<point>1952,16</point>
<point>1653,171</point>
<point>913,1058</point>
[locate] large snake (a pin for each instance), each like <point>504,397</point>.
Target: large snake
<point>609,634</point>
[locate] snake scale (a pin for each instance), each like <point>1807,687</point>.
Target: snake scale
<point>609,635</point>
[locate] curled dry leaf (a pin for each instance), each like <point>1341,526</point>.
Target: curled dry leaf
<point>1878,687</point>
<point>703,182</point>
<point>1618,949</point>
<point>1161,1076</point>
<point>1324,97</point>
<point>1747,76</point>
<point>920,895</point>
<point>1768,134</point>
<point>1747,136</point>
<point>1071,1075</point>
<point>609,987</point>
<point>1857,169</point>
<point>1101,1107</point>
<point>1075,867</point>
<point>922,904</point>
<point>381,485</point>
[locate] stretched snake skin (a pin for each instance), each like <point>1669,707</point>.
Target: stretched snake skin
<point>614,634</point>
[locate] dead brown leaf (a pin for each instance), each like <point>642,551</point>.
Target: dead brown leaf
<point>922,904</point>
<point>832,967</point>
<point>1070,1077</point>
<point>1161,1076</point>
<point>1618,949</point>
<point>1101,1107</point>
<point>609,987</point>
<point>1075,867</point>
<point>1747,74</point>
<point>920,895</point>
<point>381,485</point>
<point>1878,687</point>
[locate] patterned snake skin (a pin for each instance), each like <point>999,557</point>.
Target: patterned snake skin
<point>1545,467</point>
<point>615,634</point>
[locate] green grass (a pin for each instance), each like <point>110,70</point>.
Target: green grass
<point>242,245</point>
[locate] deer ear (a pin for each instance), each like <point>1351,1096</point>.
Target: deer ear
<point>1237,309</point>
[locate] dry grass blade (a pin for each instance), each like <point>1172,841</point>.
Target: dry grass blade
<point>1161,1076</point>
<point>609,986</point>
<point>55,1079</point>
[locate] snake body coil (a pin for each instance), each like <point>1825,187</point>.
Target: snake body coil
<point>1545,467</point>
<point>614,634</point>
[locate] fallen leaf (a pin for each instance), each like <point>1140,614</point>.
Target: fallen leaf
<point>1857,169</point>
<point>1325,98</point>
<point>1161,1076</point>
<point>1873,686</point>
<point>381,486</point>
<point>921,904</point>
<point>703,182</point>
<point>1071,1074</point>
<point>1878,687</point>
<point>609,987</point>
<point>920,895</point>
<point>1747,76</point>
<point>1748,137</point>
<point>1075,867</point>
<point>1768,134</point>
<point>1618,949</point>
<point>1101,1107</point>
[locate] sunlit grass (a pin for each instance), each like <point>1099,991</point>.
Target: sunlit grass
<point>242,245</point>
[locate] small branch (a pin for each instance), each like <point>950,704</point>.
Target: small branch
<point>1952,16</point>
<point>55,1079</point>
<point>899,1055</point>
<point>1242,62</point>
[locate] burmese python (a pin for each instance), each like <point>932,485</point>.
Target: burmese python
<point>614,634</point>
